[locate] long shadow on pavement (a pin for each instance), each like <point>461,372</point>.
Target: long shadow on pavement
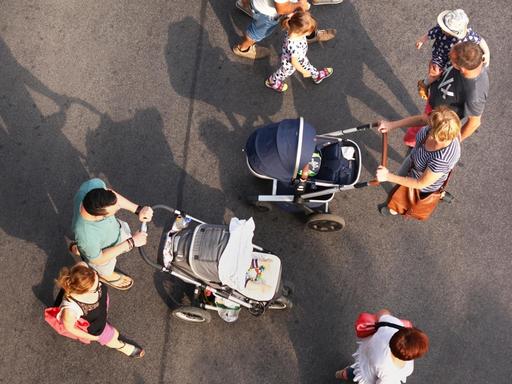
<point>209,75</point>
<point>41,170</point>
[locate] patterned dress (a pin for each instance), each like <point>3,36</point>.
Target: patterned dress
<point>297,48</point>
<point>443,43</point>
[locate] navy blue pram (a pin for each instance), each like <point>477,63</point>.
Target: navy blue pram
<point>278,152</point>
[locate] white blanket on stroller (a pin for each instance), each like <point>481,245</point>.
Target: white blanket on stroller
<point>237,256</point>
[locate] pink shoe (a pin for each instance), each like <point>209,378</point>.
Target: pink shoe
<point>323,74</point>
<point>278,86</point>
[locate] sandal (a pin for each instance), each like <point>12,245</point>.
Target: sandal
<point>385,211</point>
<point>116,283</point>
<point>136,353</point>
<point>322,74</point>
<point>343,374</point>
<point>422,90</point>
<point>73,249</point>
<point>447,197</point>
<point>278,86</point>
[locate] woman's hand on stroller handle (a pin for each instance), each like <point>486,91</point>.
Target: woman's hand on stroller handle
<point>382,174</point>
<point>383,126</point>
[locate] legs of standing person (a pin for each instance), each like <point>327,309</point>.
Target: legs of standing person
<point>260,28</point>
<point>106,271</point>
<point>110,338</point>
<point>111,278</point>
<point>304,62</point>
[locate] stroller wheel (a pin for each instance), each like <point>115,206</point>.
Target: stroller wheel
<point>287,289</point>
<point>257,309</point>
<point>325,222</point>
<point>192,315</point>
<point>281,303</point>
<point>262,206</point>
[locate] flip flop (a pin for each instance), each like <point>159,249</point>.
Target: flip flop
<point>136,353</point>
<point>342,374</point>
<point>121,287</point>
<point>73,249</point>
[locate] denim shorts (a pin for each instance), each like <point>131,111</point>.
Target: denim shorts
<point>261,26</point>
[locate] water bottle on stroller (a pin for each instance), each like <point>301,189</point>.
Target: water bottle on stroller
<point>180,223</point>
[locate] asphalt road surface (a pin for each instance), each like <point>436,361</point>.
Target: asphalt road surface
<point>148,96</point>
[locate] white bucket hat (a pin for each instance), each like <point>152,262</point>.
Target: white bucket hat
<point>454,23</point>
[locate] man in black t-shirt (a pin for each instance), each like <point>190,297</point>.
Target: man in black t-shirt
<point>463,87</point>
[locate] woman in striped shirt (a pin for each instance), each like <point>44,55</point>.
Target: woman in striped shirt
<point>436,152</point>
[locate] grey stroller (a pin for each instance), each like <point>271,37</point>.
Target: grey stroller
<point>227,270</point>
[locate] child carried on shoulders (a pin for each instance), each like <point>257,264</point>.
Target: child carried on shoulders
<point>452,28</point>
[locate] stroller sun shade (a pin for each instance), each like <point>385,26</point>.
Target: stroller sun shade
<point>281,149</point>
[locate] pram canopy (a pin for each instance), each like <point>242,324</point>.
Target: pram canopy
<point>280,150</point>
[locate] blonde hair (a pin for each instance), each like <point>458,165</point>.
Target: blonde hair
<point>77,279</point>
<point>445,124</point>
<point>300,22</point>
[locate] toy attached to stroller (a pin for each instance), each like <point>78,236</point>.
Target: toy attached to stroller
<point>280,151</point>
<point>228,271</point>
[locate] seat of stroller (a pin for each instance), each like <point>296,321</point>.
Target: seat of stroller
<point>216,254</point>
<point>334,167</point>
<point>264,289</point>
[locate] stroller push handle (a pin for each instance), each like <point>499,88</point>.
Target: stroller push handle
<point>384,157</point>
<point>363,127</point>
<point>144,228</point>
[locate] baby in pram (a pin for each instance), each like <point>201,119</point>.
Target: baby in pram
<point>255,277</point>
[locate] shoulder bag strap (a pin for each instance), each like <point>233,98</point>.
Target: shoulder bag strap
<point>386,324</point>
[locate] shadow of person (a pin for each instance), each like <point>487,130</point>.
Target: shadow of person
<point>209,75</point>
<point>351,54</point>
<point>321,284</point>
<point>231,18</point>
<point>137,161</point>
<point>40,170</point>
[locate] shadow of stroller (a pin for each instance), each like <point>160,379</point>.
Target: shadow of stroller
<point>41,170</point>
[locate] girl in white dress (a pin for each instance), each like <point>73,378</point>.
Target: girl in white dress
<point>387,356</point>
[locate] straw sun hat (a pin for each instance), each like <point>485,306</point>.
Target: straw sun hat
<point>455,23</point>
